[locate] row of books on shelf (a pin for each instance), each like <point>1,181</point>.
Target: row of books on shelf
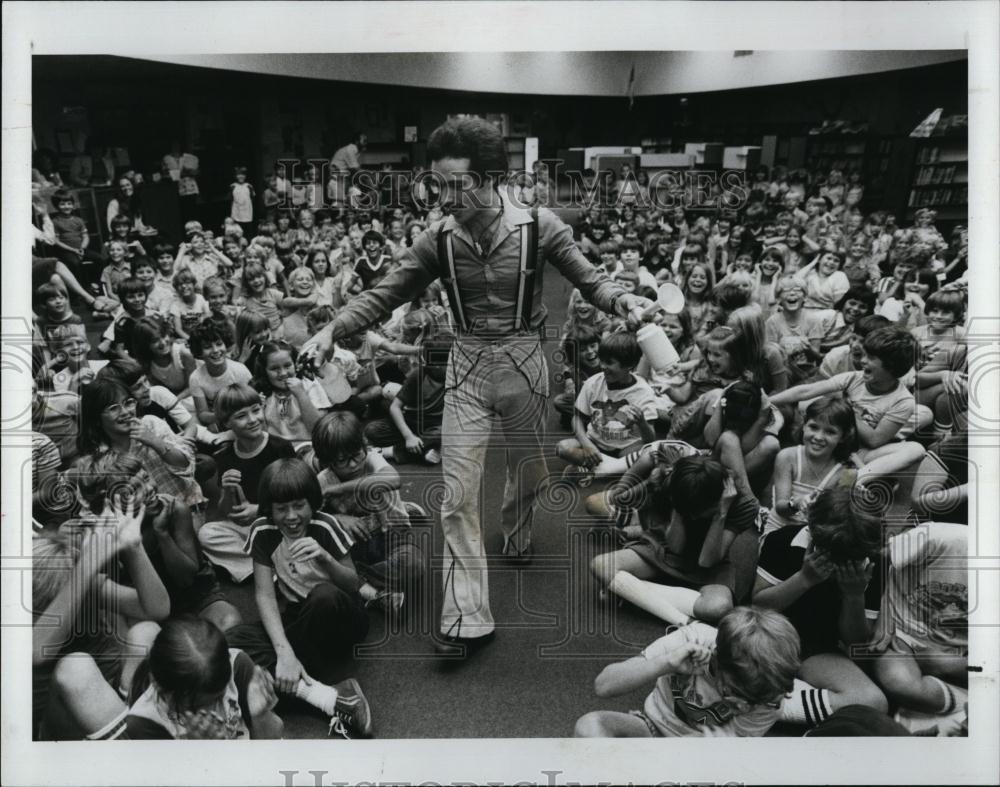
<point>929,155</point>
<point>950,196</point>
<point>838,147</point>
<point>933,175</point>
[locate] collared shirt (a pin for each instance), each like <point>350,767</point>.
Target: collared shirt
<point>486,283</point>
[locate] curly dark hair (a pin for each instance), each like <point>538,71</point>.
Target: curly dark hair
<point>473,138</point>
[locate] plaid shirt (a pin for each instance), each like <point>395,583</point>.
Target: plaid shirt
<point>168,480</point>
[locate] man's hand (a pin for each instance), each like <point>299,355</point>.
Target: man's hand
<point>633,309</point>
<point>414,444</point>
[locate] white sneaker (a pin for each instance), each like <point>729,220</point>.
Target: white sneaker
<point>432,457</point>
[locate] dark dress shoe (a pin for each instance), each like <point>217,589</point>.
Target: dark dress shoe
<point>460,647</point>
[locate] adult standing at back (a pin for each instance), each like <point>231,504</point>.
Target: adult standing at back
<point>346,162</point>
<point>490,255</point>
<point>182,168</point>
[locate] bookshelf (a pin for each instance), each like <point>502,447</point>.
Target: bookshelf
<point>836,151</point>
<point>939,177</point>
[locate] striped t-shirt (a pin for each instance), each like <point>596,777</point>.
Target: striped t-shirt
<point>296,578</point>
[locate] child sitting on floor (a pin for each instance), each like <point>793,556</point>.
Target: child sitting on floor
<point>362,489</point>
<point>615,410</point>
<point>709,682</point>
<point>821,461</point>
<point>580,347</point>
<point>303,555</point>
<point>193,686</point>
<point>240,464</point>
<point>413,429</point>
<point>216,372</point>
<point>827,578</point>
<point>882,404</point>
<point>922,636</point>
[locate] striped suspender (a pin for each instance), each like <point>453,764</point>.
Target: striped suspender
<point>446,261</point>
<point>525,282</point>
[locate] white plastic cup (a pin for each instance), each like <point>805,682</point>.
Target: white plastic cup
<point>656,346</point>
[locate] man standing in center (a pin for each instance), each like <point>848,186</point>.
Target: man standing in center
<point>489,255</point>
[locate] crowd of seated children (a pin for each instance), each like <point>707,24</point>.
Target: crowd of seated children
<point>195,385</point>
<point>816,434</point>
<point>813,426</point>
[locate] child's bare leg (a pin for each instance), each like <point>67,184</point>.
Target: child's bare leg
<point>908,685</point>
<point>81,702</point>
<point>927,396</point>
<point>610,724</point>
<point>599,505</point>
<point>844,681</point>
<point>223,614</point>
<point>605,566</point>
<point>712,603</point>
<point>953,669</point>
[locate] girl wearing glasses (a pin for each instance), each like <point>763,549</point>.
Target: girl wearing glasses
<point>109,425</point>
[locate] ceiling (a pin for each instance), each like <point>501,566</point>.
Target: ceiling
<point>574,73</point>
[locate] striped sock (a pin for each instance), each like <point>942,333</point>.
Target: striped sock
<point>950,701</point>
<point>806,705</point>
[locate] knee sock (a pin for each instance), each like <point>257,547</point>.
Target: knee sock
<point>317,694</point>
<point>806,705</point>
<point>950,693</point>
<point>672,604</point>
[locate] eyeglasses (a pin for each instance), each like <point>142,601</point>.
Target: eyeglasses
<point>116,410</point>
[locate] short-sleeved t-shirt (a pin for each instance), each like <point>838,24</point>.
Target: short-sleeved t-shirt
<point>812,326</point>
<point>251,466</point>
<point>69,229</point>
<point>111,277</point>
<point>296,577</point>
<point>896,406</point>
<point>602,404</point>
<point>926,603</point>
<point>694,705</point>
<point>53,331</point>
<point>209,386</point>
<point>815,614</point>
<point>190,313</point>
